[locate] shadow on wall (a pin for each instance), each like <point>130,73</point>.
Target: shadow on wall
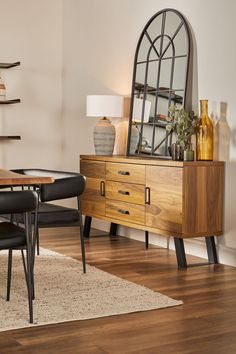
<point>223,136</point>
<point>233,137</point>
<point>222,133</point>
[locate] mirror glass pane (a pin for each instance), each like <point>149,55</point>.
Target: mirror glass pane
<point>154,29</point>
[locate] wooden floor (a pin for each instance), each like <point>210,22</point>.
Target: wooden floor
<point>206,323</point>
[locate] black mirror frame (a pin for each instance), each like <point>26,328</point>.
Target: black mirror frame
<point>168,136</point>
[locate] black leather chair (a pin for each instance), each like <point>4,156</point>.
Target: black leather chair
<point>66,185</point>
<point>14,237</point>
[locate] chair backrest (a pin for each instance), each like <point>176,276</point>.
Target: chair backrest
<point>66,185</point>
<point>17,202</point>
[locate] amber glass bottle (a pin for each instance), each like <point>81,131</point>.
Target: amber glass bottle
<point>205,134</point>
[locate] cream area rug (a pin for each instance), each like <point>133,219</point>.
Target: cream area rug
<point>64,293</point>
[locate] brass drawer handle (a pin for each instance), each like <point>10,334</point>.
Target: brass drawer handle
<point>102,189</point>
<point>125,212</point>
<point>147,195</point>
<point>123,192</point>
<point>123,173</point>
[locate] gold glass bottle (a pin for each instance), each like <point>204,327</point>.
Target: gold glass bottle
<point>205,134</point>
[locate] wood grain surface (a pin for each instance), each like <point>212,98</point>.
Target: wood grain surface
<point>125,211</point>
<point>92,202</point>
<point>165,209</point>
<point>203,189</point>
<point>95,169</point>
<point>205,324</point>
<point>148,160</point>
<point>126,192</point>
<point>186,198</point>
<point>124,172</point>
<point>9,178</point>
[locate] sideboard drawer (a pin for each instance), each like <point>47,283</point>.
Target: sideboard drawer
<point>126,192</point>
<point>92,200</point>
<point>94,169</point>
<point>125,211</point>
<point>125,172</point>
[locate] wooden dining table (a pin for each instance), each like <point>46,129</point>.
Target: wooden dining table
<point>9,178</point>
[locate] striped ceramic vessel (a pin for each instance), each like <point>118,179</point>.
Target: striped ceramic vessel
<point>104,137</point>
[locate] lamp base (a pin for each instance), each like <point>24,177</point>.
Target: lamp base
<point>104,137</point>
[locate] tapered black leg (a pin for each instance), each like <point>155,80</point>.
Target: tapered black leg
<point>36,228</point>
<point>25,271</point>
<point>29,265</point>
<point>113,229</point>
<point>37,241</point>
<point>180,252</point>
<point>24,264</point>
<point>81,237</point>
<point>146,239</point>
<point>9,274</point>
<point>87,226</point>
<point>211,250</point>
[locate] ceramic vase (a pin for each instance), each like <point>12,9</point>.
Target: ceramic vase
<point>104,137</point>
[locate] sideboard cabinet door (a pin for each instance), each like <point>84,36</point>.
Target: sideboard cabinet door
<point>164,202</point>
<point>93,198</point>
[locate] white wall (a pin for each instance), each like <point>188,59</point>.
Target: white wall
<point>31,32</point>
<point>99,39</point>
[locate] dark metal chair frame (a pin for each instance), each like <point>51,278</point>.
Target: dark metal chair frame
<point>56,191</point>
<point>19,202</point>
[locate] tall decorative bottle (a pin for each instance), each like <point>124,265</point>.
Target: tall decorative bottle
<point>205,134</point>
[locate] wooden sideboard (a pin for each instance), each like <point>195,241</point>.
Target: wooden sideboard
<point>171,198</point>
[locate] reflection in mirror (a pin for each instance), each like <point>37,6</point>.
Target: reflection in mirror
<point>159,81</point>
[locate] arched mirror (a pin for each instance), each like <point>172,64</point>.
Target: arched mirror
<point>159,80</point>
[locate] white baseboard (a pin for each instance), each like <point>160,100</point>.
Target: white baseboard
<point>193,246</point>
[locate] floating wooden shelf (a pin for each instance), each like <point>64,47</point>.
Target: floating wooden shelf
<point>16,100</point>
<point>163,92</point>
<point>9,65</point>
<point>10,137</point>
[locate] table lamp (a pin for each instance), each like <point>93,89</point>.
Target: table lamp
<point>104,106</point>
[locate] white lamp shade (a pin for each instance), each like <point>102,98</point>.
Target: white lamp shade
<point>137,110</point>
<point>104,106</point>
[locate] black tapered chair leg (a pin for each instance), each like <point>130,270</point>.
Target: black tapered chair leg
<point>24,265</point>
<point>87,226</point>
<point>82,248</point>
<point>9,272</point>
<point>29,266</point>
<point>37,241</point>
<point>36,229</point>
<point>82,236</point>
<point>29,285</point>
<point>25,271</point>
